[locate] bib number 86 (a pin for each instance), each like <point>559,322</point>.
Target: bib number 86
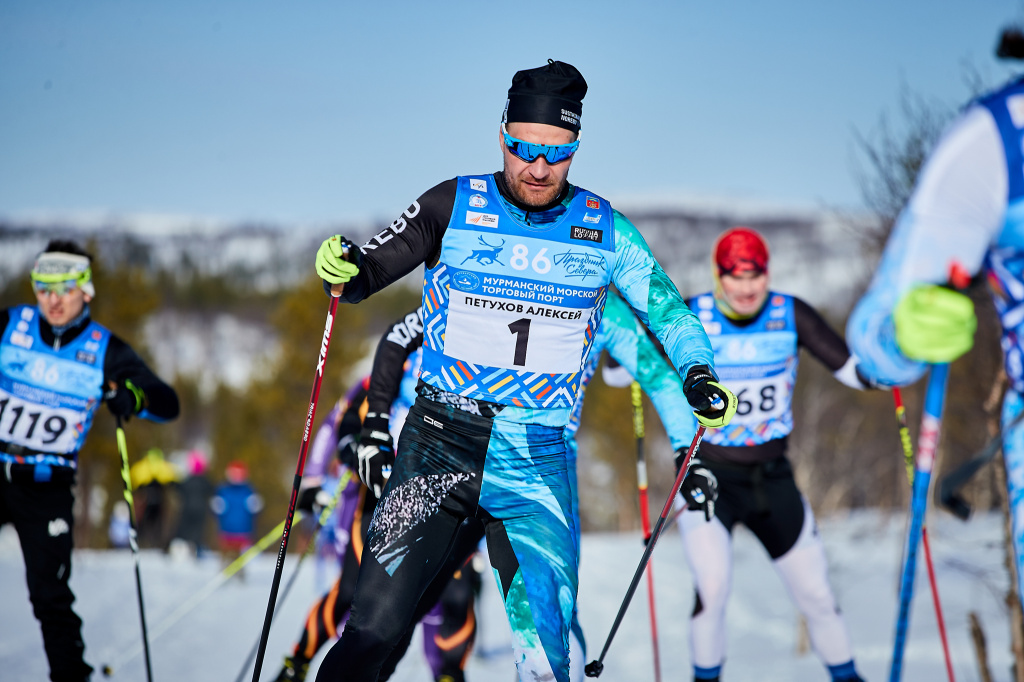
<point>520,259</point>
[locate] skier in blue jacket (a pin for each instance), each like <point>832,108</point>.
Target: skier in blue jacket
<point>757,335</point>
<point>57,366</point>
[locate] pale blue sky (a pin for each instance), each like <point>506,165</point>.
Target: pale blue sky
<point>311,111</point>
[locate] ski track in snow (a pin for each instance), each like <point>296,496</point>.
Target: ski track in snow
<point>864,549</point>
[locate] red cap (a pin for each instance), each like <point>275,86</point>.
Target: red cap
<point>237,471</point>
<point>740,249</point>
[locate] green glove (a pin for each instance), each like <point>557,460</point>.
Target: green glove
<point>337,260</point>
<point>934,324</point>
<point>704,395</point>
<point>720,417</point>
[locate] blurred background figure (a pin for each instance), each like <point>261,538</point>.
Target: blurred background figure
<point>236,505</point>
<point>195,493</point>
<point>153,479</point>
<point>120,526</point>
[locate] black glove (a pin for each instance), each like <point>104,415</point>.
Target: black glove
<point>307,498</point>
<point>347,452</point>
<point>713,404</point>
<point>126,400</point>
<point>376,452</point>
<point>699,488</point>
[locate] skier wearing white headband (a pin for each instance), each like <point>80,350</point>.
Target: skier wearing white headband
<point>56,366</point>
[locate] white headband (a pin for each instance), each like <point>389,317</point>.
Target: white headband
<point>56,266</point>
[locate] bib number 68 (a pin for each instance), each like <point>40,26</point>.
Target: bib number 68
<point>766,403</point>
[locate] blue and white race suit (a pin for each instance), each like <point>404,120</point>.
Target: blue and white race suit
<point>967,209</point>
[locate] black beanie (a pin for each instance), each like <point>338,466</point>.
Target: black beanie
<point>1011,44</point>
<point>551,94</point>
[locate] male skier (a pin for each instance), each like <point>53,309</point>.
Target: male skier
<point>518,264</point>
<point>757,335</point>
<point>627,344</point>
<point>56,366</point>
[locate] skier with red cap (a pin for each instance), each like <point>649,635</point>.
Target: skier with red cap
<point>742,474</point>
<point>236,505</point>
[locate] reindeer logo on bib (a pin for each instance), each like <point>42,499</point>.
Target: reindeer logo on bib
<point>486,256</point>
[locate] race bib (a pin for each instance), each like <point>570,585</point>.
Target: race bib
<point>515,335</point>
<point>37,427</point>
<point>759,400</point>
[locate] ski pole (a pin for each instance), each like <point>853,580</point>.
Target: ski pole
<point>318,376</point>
<point>645,514</point>
<point>122,446</point>
<point>595,668</point>
<point>320,523</point>
<point>901,417</point>
<point>199,597</point>
<point>927,445</point>
<point>928,442</point>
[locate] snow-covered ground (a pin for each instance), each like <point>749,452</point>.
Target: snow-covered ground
<point>864,548</point>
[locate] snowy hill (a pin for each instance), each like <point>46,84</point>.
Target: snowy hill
<point>864,550</point>
<point>816,253</point>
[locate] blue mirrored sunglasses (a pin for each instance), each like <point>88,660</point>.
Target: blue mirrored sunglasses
<point>59,288</point>
<point>530,152</point>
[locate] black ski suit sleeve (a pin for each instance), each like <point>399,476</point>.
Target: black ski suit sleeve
<point>122,363</point>
<point>349,426</point>
<point>401,340</point>
<point>814,334</point>
<point>413,239</point>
